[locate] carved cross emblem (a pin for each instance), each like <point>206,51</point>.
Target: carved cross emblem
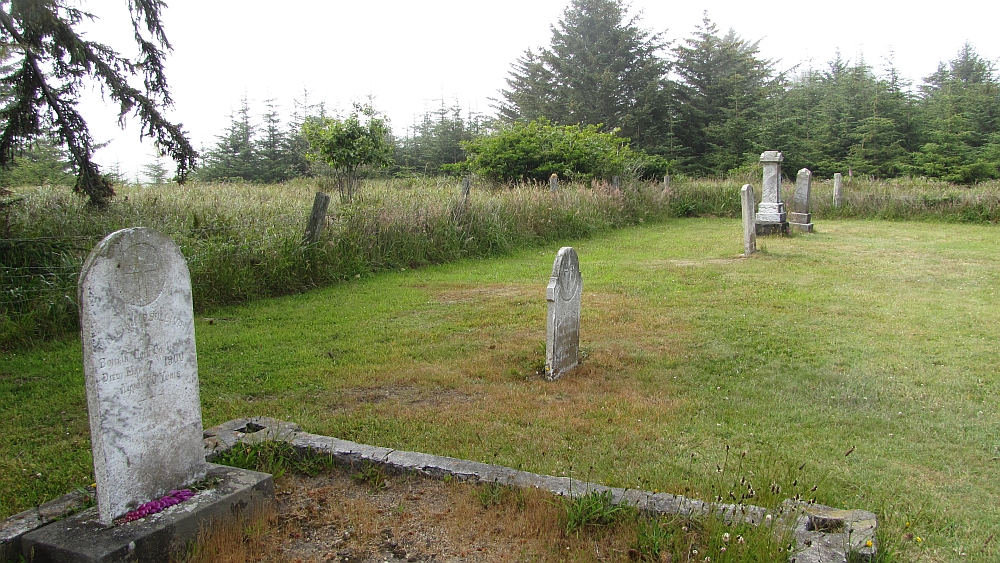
<point>140,275</point>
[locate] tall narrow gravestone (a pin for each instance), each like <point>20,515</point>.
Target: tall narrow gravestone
<point>141,370</point>
<point>838,182</point>
<point>749,225</point>
<point>800,219</point>
<point>771,217</point>
<point>562,332</point>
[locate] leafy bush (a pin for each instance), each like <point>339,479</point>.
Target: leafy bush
<point>363,139</point>
<point>536,150</point>
<point>650,166</point>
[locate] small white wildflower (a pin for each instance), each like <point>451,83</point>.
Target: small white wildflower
<point>725,537</point>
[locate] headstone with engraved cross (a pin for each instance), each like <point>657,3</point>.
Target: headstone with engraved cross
<point>141,371</point>
<point>562,333</point>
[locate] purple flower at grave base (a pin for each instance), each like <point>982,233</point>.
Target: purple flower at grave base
<point>154,506</point>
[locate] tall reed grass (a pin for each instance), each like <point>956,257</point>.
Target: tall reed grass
<point>900,199</point>
<point>244,242</point>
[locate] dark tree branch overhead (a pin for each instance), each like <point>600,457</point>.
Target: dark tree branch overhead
<point>51,61</point>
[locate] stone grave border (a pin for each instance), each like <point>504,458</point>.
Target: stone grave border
<point>823,534</point>
<point>64,529</point>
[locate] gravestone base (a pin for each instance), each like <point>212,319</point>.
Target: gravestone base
<point>240,494</point>
<point>800,222</point>
<point>766,229</point>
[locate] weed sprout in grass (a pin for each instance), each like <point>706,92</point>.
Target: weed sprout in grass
<point>372,475</point>
<point>594,509</point>
<point>494,494</point>
<point>274,457</point>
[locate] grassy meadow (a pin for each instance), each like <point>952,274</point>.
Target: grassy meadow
<point>866,351</point>
<point>244,242</point>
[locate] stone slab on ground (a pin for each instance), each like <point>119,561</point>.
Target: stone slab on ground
<point>80,538</point>
<point>795,226</point>
<point>13,528</point>
<point>826,530</point>
<point>823,534</point>
<point>768,229</point>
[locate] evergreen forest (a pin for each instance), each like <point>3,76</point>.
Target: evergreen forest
<point>704,105</point>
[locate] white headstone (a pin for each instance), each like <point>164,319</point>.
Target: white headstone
<point>838,180</point>
<point>562,333</point>
<point>800,219</point>
<point>141,370</point>
<point>749,223</point>
<point>772,209</point>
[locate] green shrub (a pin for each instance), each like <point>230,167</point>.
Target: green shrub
<point>534,151</point>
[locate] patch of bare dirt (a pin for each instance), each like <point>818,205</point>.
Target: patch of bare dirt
<point>335,517</point>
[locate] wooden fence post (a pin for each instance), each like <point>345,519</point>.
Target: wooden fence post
<point>317,218</point>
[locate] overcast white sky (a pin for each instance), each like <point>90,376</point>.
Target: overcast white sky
<point>409,53</point>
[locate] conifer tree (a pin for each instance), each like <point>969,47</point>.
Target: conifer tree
<point>960,106</point>
<point>270,162</point>
<point>50,60</point>
<point>720,99</point>
<point>600,68</point>
<point>234,154</point>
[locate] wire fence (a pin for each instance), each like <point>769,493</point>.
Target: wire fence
<point>39,275</point>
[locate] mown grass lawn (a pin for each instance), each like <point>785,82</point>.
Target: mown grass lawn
<point>871,337</point>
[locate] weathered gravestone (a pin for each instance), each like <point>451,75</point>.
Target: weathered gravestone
<point>554,183</point>
<point>562,331</point>
<point>838,182</point>
<point>141,372</point>
<point>800,219</point>
<point>749,224</point>
<point>771,217</point>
